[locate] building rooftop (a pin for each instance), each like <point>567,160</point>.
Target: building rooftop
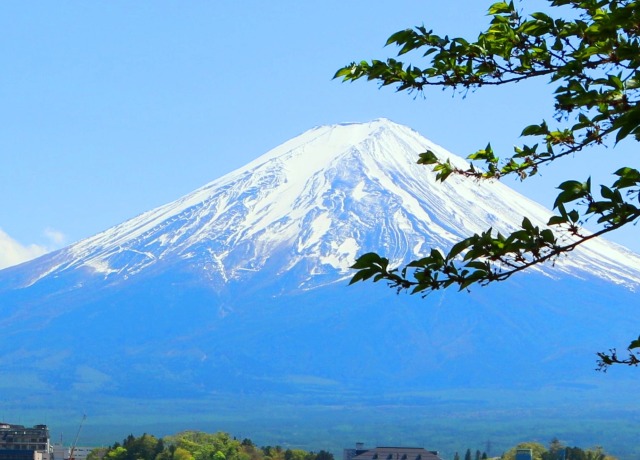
<point>396,453</point>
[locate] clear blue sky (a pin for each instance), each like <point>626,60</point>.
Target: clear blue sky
<point>111,108</point>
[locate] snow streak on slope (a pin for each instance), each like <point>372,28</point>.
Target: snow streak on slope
<point>311,205</point>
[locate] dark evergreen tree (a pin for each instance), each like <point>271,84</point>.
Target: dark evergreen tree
<point>159,446</point>
<point>575,453</point>
<point>324,455</point>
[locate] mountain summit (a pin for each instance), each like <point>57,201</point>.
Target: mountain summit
<point>240,289</point>
<point>309,207</point>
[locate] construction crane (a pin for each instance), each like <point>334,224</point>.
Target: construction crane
<point>75,442</point>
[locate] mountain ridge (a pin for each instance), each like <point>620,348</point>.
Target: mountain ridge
<point>296,193</point>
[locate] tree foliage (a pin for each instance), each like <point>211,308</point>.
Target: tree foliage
<point>537,450</point>
<point>197,445</point>
<point>558,451</point>
<point>592,56</point>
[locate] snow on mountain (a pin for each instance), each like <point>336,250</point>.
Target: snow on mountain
<point>316,202</point>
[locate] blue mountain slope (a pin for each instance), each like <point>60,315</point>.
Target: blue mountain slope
<point>166,336</point>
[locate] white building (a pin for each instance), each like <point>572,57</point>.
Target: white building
<point>64,453</point>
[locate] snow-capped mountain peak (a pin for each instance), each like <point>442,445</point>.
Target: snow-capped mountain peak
<point>311,205</point>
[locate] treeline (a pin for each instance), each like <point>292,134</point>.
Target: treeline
<point>558,451</point>
<point>468,456</point>
<point>555,451</point>
<point>196,445</point>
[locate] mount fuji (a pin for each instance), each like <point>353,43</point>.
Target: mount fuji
<point>240,288</point>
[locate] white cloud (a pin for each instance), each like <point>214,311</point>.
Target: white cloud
<point>55,236</point>
<point>13,253</point>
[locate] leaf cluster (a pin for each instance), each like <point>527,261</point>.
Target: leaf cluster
<point>632,356</point>
<point>593,59</point>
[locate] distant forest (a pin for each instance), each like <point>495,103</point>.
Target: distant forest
<point>196,445</point>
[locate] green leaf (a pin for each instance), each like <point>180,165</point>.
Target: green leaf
<point>527,225</point>
<point>606,192</point>
<point>427,158</point>
<point>346,71</point>
<point>541,17</point>
<point>399,37</point>
<point>628,177</point>
<point>476,265</point>
<point>557,220</point>
<point>499,8</point>
<point>459,247</point>
<point>369,259</point>
<point>535,130</point>
<point>634,344</point>
<point>572,190</point>
<point>627,122</point>
<point>548,236</point>
<point>574,216</point>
